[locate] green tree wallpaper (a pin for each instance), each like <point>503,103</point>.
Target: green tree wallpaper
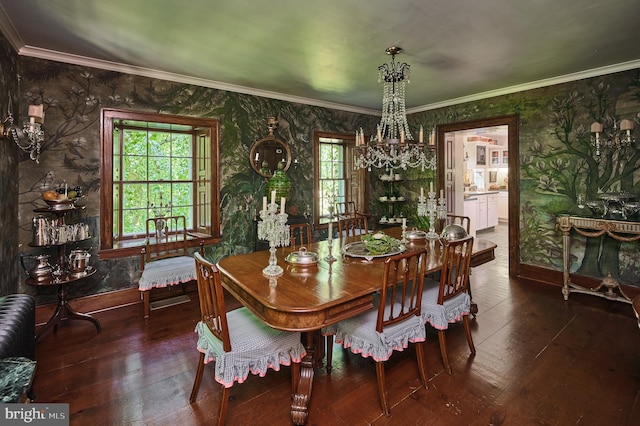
<point>557,161</point>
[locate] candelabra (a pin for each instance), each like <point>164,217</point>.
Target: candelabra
<point>330,258</point>
<point>433,208</point>
<point>273,227</point>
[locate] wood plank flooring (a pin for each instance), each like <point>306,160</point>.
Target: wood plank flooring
<point>540,361</point>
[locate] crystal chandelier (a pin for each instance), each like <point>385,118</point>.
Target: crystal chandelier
<point>393,146</point>
<point>613,139</point>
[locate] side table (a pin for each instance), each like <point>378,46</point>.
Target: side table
<point>63,309</point>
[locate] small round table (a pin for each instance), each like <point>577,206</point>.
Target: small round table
<point>63,309</point>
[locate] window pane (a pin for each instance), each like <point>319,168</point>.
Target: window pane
<point>182,194</point>
<point>134,169</point>
<point>135,142</point>
<point>134,196</point>
<point>159,199</point>
<point>134,222</point>
<point>181,168</point>
<point>160,168</point>
<point>182,145</point>
<point>159,144</point>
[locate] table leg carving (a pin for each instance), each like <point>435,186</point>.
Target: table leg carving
<point>300,403</point>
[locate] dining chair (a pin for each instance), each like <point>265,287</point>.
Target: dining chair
<point>346,209</point>
<point>165,259</point>
<point>237,341</point>
<point>394,323</point>
<point>448,301</point>
<point>300,234</point>
<point>352,226</point>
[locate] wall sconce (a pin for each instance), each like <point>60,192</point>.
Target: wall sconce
<point>616,139</point>
<point>30,137</point>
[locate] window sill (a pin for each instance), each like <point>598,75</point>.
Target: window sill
<point>129,248</point>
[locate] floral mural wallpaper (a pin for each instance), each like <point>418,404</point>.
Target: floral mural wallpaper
<point>73,97</point>
<point>557,160</point>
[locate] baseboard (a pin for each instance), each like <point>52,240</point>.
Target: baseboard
<point>107,301</point>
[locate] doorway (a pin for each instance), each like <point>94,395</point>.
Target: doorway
<point>450,173</point>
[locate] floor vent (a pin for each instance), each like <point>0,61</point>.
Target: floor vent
<point>159,304</point>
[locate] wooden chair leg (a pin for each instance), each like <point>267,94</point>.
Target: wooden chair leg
<point>382,389</point>
<point>329,353</point>
<point>467,329</point>
<point>198,380</point>
<point>443,350</point>
<point>147,307</point>
<point>224,402</point>
<point>422,364</point>
<point>295,377</point>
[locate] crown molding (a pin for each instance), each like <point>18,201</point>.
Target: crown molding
<point>9,31</point>
<point>52,55</point>
<point>595,72</point>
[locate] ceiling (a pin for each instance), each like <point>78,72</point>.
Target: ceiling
<point>327,52</point>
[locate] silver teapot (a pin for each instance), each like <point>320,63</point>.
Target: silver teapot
<point>43,271</point>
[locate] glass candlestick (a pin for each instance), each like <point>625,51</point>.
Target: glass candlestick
<point>330,257</point>
<point>434,208</point>
<point>273,228</point>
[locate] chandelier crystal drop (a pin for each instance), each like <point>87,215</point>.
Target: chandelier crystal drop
<point>393,146</point>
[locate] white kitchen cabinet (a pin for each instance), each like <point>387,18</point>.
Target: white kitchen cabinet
<point>482,212</point>
<point>471,211</point>
<point>503,206</point>
<point>482,209</point>
<point>492,210</point>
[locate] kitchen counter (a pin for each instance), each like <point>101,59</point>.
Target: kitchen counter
<point>473,194</point>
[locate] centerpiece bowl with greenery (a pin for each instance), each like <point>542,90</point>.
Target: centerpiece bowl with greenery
<point>379,243</point>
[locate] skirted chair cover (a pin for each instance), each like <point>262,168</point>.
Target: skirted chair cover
<point>255,348</point>
<point>237,341</point>
<point>448,300</point>
<point>359,335</point>
<point>393,324</point>
<point>452,310</point>
<point>168,272</point>
<point>165,259</point>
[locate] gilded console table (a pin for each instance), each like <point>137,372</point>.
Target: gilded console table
<point>592,227</point>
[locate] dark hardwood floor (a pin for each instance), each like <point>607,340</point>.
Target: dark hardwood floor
<point>540,361</point>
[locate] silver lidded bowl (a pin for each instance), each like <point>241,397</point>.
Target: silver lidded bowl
<point>302,257</point>
<point>453,232</point>
<point>415,235</point>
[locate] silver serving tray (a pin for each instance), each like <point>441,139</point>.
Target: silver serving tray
<point>357,249</point>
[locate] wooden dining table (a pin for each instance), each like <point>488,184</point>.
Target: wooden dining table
<point>308,298</point>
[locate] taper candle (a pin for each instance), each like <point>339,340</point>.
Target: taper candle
<point>282,205</point>
<point>330,233</point>
<point>421,192</point>
<point>273,197</point>
<point>264,203</point>
<point>430,186</point>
